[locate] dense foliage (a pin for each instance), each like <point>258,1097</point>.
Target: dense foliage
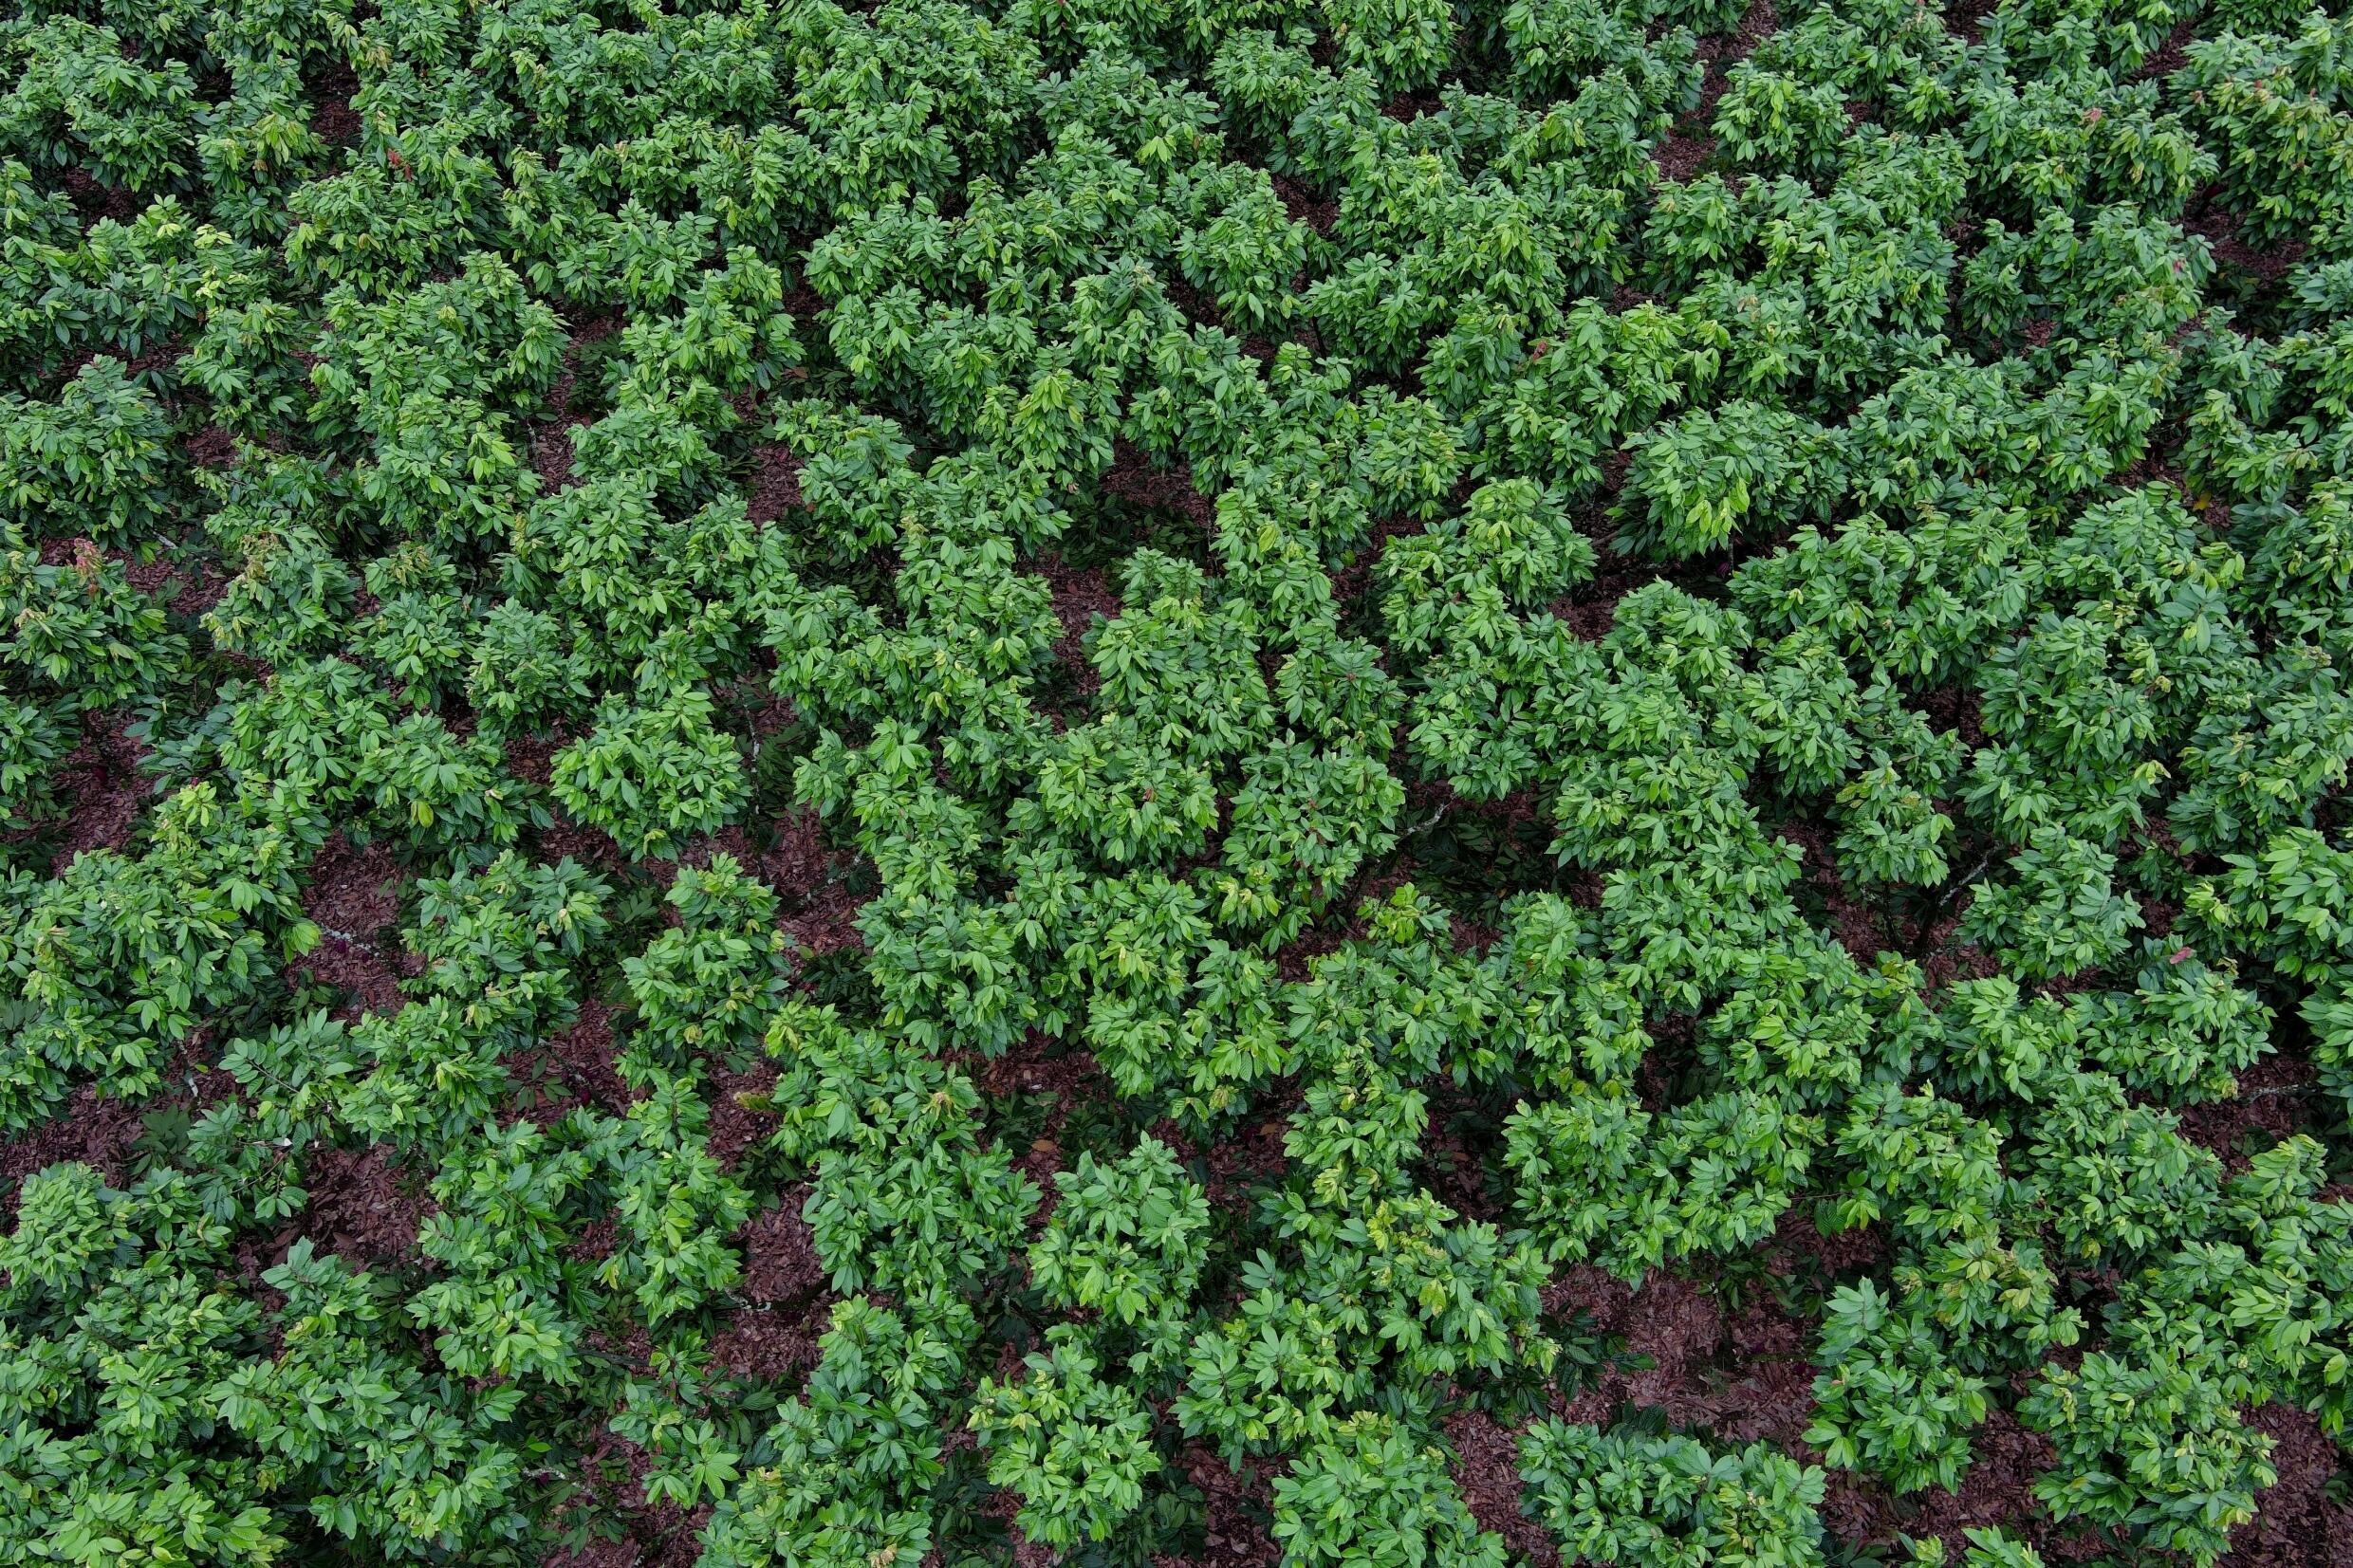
<point>1405,784</point>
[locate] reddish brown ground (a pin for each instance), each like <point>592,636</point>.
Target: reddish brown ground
<point>780,1266</point>
<point>198,591</point>
<point>816,902</point>
<point>1855,922</point>
<point>362,1205</point>
<point>210,447</point>
<point>590,847</point>
<point>596,1553</point>
<point>1718,54</point>
<point>95,201</point>
<point>2223,230</point>
<point>1239,1503</point>
<point>1487,1472</point>
<point>1237,1168</point>
<point>355,891</point>
<point>1454,1168</point>
<point>774,486</point>
<point>369,983</point>
<point>550,439</point>
<point>1746,1376</point>
<point>575,1066</point>
<point>101,794</point>
<point>768,1345</point>
<point>735,1127</point>
<point>2171,55</point>
<point>1064,1076</point>
<point>1027,1552</point>
<point>1136,479</point>
<point>1800,1251</point>
<point>551,456</point>
<point>531,757</point>
<point>90,1127</point>
<point>332,117</point>
<point>1996,1489</point>
<point>1679,155</point>
<point>2279,1096</point>
<point>774,1338</point>
<point>1080,594</point>
<point>2301,1521</point>
<point>1319,212</point>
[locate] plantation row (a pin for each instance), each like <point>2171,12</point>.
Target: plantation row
<point>1372,782</point>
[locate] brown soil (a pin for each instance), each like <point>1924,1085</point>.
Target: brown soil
<point>1081,594</point>
<point>817,906</point>
<point>95,201</point>
<point>774,1337</point>
<point>1997,1488</point>
<point>1679,155</point>
<point>1963,18</point>
<point>1854,922</point>
<point>1487,1472</point>
<point>76,550</point>
<point>1590,609</point>
<point>759,1345</point>
<point>551,438</point>
<point>1137,480</point>
<point>2277,1099</point>
<point>1746,1376</point>
<point>2222,231</point>
<point>369,983</point>
<point>551,456</point>
<point>1240,1504</point>
<point>1947,962</point>
<point>671,1535</point>
<point>596,1553</point>
<point>580,1062</point>
<point>1955,709</point>
<point>593,1241</point>
<point>1454,1172</point>
<point>332,118</point>
<point>1198,307</point>
<point>774,486</point>
<point>1407,107</point>
<point>2171,55</point>
<point>531,757</point>
<point>101,796</point>
<point>1720,53</point>
<point>199,593</point>
<point>1667,1321</point>
<point>1353,583</point>
<point>1003,1506</point>
<point>157,578</point>
<point>210,447</point>
<point>1235,1169</point>
<point>590,847</point>
<point>2297,1524</point>
<point>1318,213</point>
<point>780,1266</point>
<point>1063,1074</point>
<point>353,893</point>
<point>734,1127</point>
<point>359,1207</point>
<point>1768,1355</point>
<point>1799,1248</point>
<point>90,1127</point>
